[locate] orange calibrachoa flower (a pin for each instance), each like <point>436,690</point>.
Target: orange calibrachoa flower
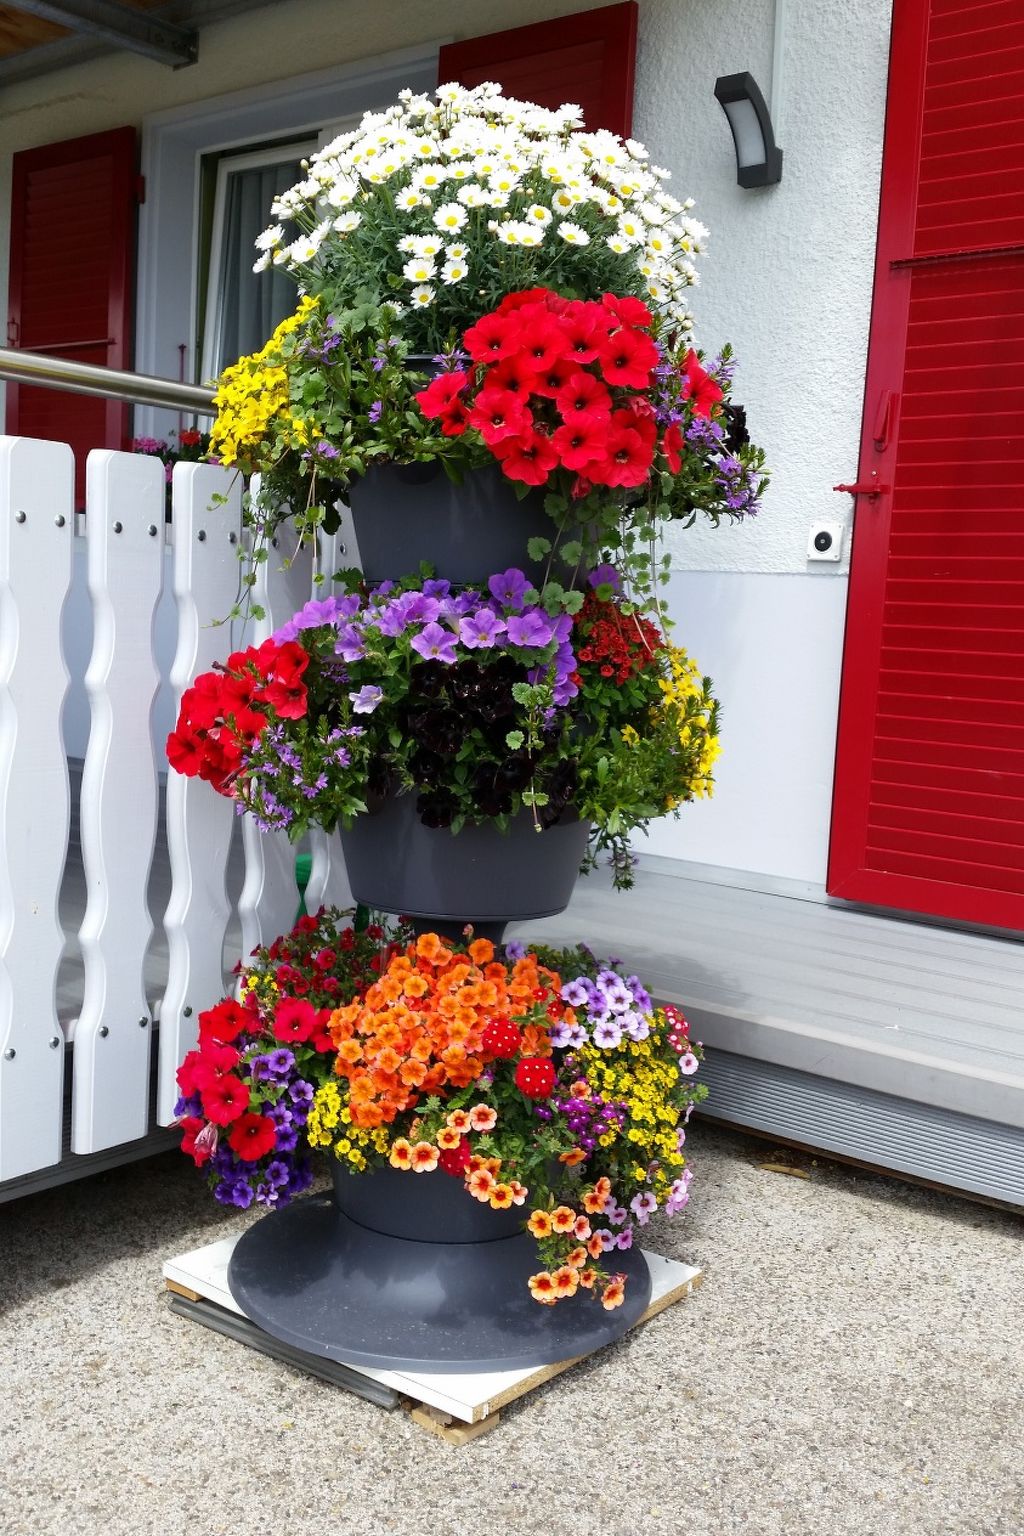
<point>613,1295</point>
<point>542,1288</point>
<point>419,1029</point>
<point>563,1219</point>
<point>539,1224</point>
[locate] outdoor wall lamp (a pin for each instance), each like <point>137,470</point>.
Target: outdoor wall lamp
<point>758,157</point>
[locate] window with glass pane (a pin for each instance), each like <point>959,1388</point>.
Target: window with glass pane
<point>243,307</point>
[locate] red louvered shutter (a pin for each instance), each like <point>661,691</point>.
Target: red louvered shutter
<point>586,58</point>
<point>72,255</point>
<point>929,804</point>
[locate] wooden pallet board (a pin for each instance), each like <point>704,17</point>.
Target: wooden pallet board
<point>456,1406</point>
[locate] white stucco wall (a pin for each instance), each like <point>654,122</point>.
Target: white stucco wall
<point>787,280</point>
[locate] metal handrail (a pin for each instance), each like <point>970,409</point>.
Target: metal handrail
<point>110,383</point>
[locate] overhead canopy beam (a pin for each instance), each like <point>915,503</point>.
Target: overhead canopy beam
<point>122,26</point>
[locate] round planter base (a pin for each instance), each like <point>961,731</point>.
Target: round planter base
<point>316,1279</point>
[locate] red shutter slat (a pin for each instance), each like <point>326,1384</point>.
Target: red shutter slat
<point>72,253</point>
<point>587,58</point>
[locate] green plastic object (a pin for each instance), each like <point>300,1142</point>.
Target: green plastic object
<point>303,869</point>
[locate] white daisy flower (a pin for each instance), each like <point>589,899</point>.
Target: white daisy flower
<point>460,169</point>
<point>496,199</point>
<point>530,234</point>
<point>450,217</point>
<point>453,272</point>
<point>262,262</point>
<point>427,246</point>
<point>456,251</point>
<point>345,223</point>
<point>420,297</point>
<point>270,238</point>
<point>410,199</point>
<point>472,195</point>
<point>573,234</point>
<point>538,214</point>
<point>425,148</point>
<point>419,270</point>
<point>632,229</point>
<point>508,233</point>
<point>427,178</point>
<point>617,244</point>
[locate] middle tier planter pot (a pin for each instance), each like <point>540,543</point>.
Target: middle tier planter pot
<point>479,875</point>
<point>406,1271</point>
<point>405,514</point>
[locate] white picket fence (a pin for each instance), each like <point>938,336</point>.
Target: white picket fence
<point>106,1041</point>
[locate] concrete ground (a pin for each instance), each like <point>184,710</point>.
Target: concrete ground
<point>852,1364</point>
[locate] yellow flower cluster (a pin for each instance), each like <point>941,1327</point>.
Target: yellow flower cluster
<point>688,698</point>
<point>254,422</point>
<point>633,1074</point>
<point>329,1113</point>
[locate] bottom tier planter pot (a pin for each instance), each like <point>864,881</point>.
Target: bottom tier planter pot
<point>405,1271</point>
<point>479,875</point>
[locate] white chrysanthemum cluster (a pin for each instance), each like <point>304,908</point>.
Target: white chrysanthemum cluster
<point>435,190</point>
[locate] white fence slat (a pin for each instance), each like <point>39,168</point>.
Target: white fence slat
<point>125,497</point>
<point>36,534</point>
<point>205,534</point>
<point>269,897</point>
<point>328,879</point>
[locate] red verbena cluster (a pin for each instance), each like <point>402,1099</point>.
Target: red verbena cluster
<point>619,645</point>
<point>221,714</point>
<point>565,384</point>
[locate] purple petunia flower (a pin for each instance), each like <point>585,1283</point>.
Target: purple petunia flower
<point>349,644</point>
<point>607,1034</point>
<point>688,1064</point>
<point>530,629</point>
<point>509,588</point>
<point>625,1238</point>
<point>636,1025</point>
<point>436,586</point>
<point>616,1214</point>
<point>641,996</point>
<point>301,1092</point>
<point>281,1061</point>
<point>560,1036</point>
<point>605,575</point>
<point>287,1139</point>
<point>618,997</point>
<point>277,1174</point>
<point>575,993</point>
<point>481,629</point>
<point>366,700</point>
<point>435,644</point>
<point>234,1191</point>
<point>607,1239</point>
<point>642,1206</point>
<point>515,949</point>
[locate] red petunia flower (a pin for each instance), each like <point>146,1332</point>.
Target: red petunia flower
<point>294,1020</point>
<point>627,358</point>
<point>215,1062</point>
<point>530,458</point>
<point>672,447</point>
<point>513,301</point>
<point>186,751</point>
<point>187,1074</point>
<point>440,393</point>
<point>584,398</point>
<point>493,337</point>
<point>627,459</point>
<point>224,1099</point>
<point>455,419</point>
<point>550,381</point>
<point>497,414</point>
<point>514,373</point>
<point>579,443</point>
<point>584,328</point>
<point>699,387</point>
<point>542,343</point>
<point>627,309</point>
<point>192,1127</point>
<point>224,1023</point>
<point>252,1137</point>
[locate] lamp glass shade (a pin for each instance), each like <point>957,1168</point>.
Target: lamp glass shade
<point>746,131</point>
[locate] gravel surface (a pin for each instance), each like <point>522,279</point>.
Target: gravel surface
<point>852,1364</point>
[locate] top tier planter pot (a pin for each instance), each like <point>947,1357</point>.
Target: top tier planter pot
<point>408,513</point>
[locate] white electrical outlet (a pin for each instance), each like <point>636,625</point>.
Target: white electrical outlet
<point>825,541</point>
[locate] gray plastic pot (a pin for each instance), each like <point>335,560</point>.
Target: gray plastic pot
<point>479,875</point>
<point>408,513</point>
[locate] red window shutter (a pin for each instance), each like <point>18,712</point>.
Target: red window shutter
<point>587,58</point>
<point>72,256</point>
<point>929,803</point>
